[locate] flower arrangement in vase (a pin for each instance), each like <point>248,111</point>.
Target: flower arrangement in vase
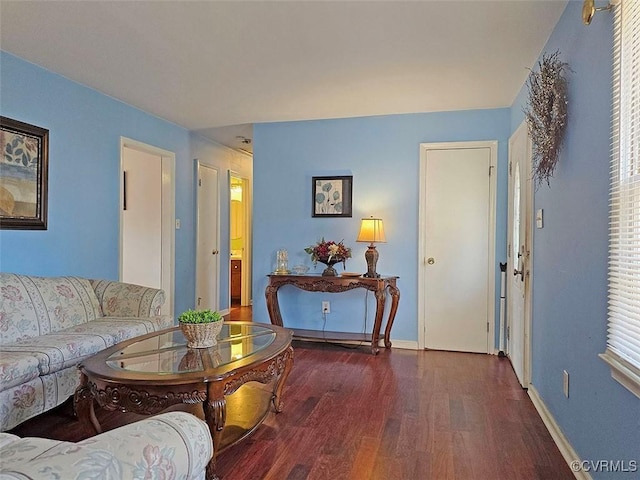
<point>329,253</point>
<point>201,327</point>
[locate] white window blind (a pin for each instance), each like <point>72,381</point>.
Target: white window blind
<point>623,341</point>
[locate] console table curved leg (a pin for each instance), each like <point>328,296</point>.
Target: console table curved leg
<point>215,414</point>
<point>395,299</point>
<point>287,359</point>
<point>375,336</point>
<point>271,295</point>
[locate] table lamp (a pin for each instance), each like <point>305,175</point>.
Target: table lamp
<point>371,230</point>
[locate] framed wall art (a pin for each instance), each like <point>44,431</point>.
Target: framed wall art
<point>23,175</point>
<point>331,196</point>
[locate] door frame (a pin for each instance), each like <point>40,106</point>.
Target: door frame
<point>168,216</point>
<point>528,184</point>
<point>248,222</point>
<point>422,248</point>
<point>199,165</point>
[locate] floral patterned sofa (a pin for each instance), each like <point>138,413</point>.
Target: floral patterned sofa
<point>50,324</point>
<point>174,445</point>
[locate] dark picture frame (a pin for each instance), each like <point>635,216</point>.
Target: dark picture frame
<point>24,169</point>
<point>331,196</point>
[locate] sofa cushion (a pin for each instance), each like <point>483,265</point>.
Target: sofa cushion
<point>38,395</point>
<point>33,306</point>
<point>59,350</point>
<point>17,368</point>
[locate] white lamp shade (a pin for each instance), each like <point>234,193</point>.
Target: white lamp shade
<point>371,230</point>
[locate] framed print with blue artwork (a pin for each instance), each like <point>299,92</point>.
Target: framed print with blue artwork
<point>331,196</point>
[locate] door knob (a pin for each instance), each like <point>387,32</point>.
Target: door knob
<point>520,272</point>
<point>431,260</point>
<point>215,252</point>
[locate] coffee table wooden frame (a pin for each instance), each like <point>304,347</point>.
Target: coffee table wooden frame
<point>148,393</point>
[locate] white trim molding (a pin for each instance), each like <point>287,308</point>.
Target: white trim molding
<point>567,451</point>
<point>492,145</point>
<point>404,344</point>
<point>623,372</point>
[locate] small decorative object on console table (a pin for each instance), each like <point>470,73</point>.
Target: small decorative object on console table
<point>282,262</point>
<point>371,230</point>
<point>329,253</point>
<point>381,286</point>
<point>200,327</point>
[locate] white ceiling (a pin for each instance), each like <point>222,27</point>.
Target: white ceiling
<point>210,64</point>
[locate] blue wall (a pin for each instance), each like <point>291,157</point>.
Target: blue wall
<point>601,419</point>
<point>382,154</point>
<point>85,127</point>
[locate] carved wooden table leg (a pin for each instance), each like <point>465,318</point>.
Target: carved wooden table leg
<point>215,414</point>
<point>271,294</point>
<point>395,299</point>
<point>375,336</point>
<point>84,407</point>
<point>287,358</point>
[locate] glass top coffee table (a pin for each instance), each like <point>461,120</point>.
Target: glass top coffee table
<point>148,374</point>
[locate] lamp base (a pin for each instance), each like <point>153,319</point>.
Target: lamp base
<point>371,256</point>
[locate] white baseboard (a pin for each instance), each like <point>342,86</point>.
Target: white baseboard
<point>404,344</point>
<point>567,451</point>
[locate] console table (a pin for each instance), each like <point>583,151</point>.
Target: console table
<point>317,283</point>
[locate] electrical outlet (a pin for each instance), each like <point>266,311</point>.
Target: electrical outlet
<point>565,383</point>
<point>326,307</point>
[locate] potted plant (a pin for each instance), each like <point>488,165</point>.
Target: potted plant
<point>200,327</point>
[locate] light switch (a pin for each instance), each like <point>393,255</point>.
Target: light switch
<point>539,218</point>
<point>177,224</point>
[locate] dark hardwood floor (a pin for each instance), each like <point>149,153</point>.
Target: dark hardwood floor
<point>240,313</point>
<point>402,415</point>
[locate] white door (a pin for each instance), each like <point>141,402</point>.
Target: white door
<point>147,217</point>
<point>207,252</point>
<point>142,218</point>
<point>458,246</point>
<point>519,242</point>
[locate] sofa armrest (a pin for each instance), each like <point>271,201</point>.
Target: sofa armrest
<point>170,445</point>
<point>176,442</point>
<point>118,299</point>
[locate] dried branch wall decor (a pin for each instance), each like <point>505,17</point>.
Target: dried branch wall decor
<point>546,114</point>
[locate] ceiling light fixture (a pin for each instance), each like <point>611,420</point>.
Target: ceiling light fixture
<point>589,9</point>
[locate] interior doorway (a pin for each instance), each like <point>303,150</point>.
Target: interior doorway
<point>208,238</point>
<point>456,281</point>
<point>520,254</point>
<point>239,240</point>
<point>147,217</point>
